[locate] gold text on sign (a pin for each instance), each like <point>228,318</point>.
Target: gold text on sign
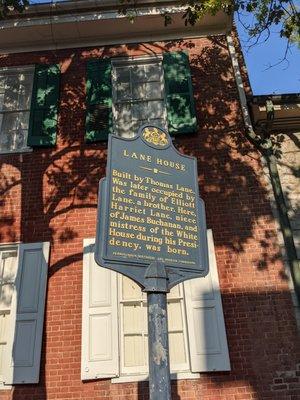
<point>158,161</point>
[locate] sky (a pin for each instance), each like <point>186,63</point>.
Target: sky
<point>267,74</point>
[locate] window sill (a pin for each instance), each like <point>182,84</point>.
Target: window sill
<point>20,151</point>
<point>139,378</point>
<point>5,387</point>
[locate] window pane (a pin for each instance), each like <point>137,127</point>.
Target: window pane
<point>134,351</point>
<point>122,74</point>
<point>133,319</point>
<point>1,101</point>
<point>15,94</point>
<point>153,72</point>
<point>123,91</point>
<point>174,316</point>
<point>124,113</point>
<point>25,91</point>
<point>4,321</point>
<point>127,130</point>
<point>147,110</point>
<point>1,120</point>
<point>122,85</point>
<point>8,266</point>
<point>133,85</point>
<point>8,132</point>
<point>135,329</point>
<point>139,111</point>
<point>138,73</point>
<point>8,272</point>
<point>10,121</point>
<point>20,139</point>
<point>6,293</point>
<point>14,131</point>
<point>146,350</point>
<point>174,292</point>
<point>177,348</point>
<point>155,109</point>
<point>24,119</point>
<point>130,290</point>
<point>11,94</point>
<point>146,73</point>
<point>21,131</point>
<point>2,83</point>
<point>4,318</point>
<point>151,90</point>
<point>124,124</point>
<point>1,357</point>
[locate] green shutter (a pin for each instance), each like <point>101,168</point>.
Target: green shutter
<point>179,93</point>
<point>99,121</point>
<point>44,106</point>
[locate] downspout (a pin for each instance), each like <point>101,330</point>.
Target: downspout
<point>265,148</point>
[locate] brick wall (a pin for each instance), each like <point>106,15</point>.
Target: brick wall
<point>51,195</point>
<point>288,168</point>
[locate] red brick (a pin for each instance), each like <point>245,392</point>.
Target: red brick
<point>257,305</point>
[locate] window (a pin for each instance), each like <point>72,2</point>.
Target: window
<point>28,107</point>
<point>123,94</point>
<point>15,100</point>
<point>133,328</point>
<point>114,324</point>
<point>138,95</point>
<point>23,277</point>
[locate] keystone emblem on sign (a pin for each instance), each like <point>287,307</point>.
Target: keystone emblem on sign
<point>149,209</point>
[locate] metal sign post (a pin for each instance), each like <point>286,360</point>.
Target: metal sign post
<point>151,227</point>
<point>156,286</point>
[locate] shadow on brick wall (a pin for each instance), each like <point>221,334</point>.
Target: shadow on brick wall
<point>57,198</point>
<point>264,354</point>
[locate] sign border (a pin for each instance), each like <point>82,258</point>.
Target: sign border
<point>135,269</point>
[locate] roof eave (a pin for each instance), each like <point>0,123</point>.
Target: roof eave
<point>92,25</point>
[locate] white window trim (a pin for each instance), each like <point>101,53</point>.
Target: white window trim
<point>131,60</point>
<point>131,372</point>
<point>126,377</point>
<point>8,244</point>
<point>142,377</point>
<point>128,370</point>
<point>20,151</point>
<point>19,69</point>
<point>128,59</point>
<point>201,358</point>
<point>4,247</point>
<point>5,387</point>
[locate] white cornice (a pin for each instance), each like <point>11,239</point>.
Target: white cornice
<point>82,15</point>
<point>102,26</point>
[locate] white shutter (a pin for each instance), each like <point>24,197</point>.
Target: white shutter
<point>27,314</point>
<point>206,327</point>
<point>99,358</point>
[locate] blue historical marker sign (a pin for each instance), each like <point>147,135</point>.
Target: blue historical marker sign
<point>150,210</point>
